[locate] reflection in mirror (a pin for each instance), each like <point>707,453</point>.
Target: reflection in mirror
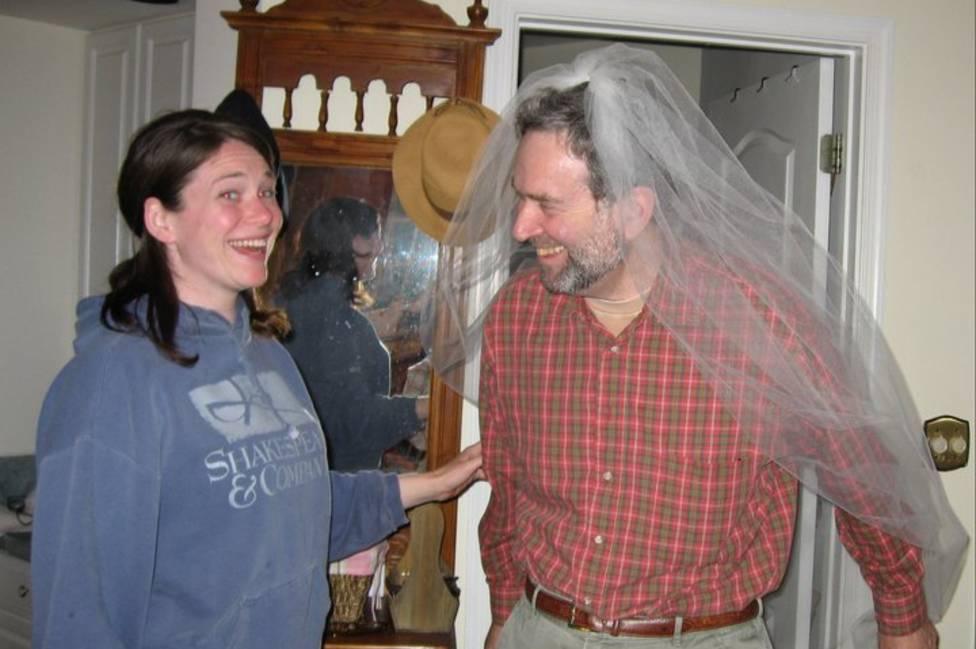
<point>355,275</point>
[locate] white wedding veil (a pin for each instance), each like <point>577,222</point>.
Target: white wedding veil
<point>818,390</point>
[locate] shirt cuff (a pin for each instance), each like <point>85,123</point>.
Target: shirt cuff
<point>392,502</point>
<point>901,612</point>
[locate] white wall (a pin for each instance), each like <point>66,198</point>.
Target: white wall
<point>41,101</point>
<point>929,271</point>
<point>928,304</point>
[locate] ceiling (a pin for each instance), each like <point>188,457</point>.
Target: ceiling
<point>90,14</point>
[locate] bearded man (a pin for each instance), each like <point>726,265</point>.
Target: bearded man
<point>654,387</point>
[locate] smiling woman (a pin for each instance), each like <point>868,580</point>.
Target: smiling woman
<point>184,497</point>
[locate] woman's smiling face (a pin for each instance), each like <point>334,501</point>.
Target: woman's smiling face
<point>219,240</point>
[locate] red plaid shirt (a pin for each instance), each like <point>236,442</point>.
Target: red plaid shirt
<point>619,481</point>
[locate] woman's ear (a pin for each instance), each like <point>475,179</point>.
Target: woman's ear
<point>158,220</point>
<point>639,211</point>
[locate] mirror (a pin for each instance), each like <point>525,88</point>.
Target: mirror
<point>351,45</point>
<point>342,327</point>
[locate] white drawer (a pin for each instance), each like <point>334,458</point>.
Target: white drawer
<point>15,586</point>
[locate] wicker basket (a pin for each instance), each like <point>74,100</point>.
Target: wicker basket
<point>348,598</point>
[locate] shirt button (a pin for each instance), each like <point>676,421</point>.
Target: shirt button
<point>587,601</point>
<point>607,476</point>
<point>615,349</point>
<point>598,539</point>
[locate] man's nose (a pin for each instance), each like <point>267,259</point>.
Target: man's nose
<point>527,222</point>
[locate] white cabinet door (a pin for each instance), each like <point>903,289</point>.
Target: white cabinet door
<point>109,109</point>
<point>133,73</point>
<point>166,67</point>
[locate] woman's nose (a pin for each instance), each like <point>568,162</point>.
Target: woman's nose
<point>265,211</point>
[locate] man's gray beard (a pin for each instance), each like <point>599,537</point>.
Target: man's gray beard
<point>588,263</point>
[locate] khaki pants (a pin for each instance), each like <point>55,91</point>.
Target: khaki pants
<point>528,628</point>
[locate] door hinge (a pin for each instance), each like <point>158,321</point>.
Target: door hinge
<point>832,153</point>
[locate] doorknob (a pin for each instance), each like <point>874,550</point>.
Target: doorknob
<point>948,439</point>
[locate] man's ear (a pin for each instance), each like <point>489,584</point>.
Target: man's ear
<point>638,211</point>
<point>158,220</point>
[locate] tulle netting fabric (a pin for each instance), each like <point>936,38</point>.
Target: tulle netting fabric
<point>769,317</point>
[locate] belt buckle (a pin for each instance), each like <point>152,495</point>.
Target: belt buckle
<point>572,621</point>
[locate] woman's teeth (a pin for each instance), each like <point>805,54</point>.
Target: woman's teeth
<point>249,243</point>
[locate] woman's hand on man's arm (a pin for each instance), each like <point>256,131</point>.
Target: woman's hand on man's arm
<point>444,482</point>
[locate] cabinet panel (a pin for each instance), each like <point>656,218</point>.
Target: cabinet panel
<point>110,75</point>
<point>166,66</point>
<point>133,73</point>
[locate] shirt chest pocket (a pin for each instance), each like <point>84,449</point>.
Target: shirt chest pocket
<point>696,509</point>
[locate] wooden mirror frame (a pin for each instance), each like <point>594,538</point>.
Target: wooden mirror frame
<point>398,42</point>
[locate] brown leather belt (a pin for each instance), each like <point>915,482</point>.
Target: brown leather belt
<point>581,620</point>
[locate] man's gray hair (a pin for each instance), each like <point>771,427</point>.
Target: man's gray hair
<point>563,111</point>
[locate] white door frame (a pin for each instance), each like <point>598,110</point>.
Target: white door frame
<point>864,44</point>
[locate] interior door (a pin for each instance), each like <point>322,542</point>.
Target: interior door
<point>773,110</point>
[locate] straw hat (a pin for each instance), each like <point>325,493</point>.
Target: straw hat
<point>433,158</point>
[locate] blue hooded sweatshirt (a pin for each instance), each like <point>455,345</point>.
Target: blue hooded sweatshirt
<point>190,507</point>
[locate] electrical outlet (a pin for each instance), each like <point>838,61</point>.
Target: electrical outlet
<point>948,439</point>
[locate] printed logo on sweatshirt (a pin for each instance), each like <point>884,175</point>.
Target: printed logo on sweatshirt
<point>291,448</point>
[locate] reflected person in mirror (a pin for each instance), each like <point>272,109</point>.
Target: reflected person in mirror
<point>342,359</point>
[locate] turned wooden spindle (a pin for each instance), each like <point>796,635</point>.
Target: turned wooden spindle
<point>324,110</point>
<point>360,114</point>
<point>286,112</point>
<point>394,119</point>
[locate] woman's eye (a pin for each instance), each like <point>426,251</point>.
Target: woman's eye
<point>231,194</point>
<point>268,193</point>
